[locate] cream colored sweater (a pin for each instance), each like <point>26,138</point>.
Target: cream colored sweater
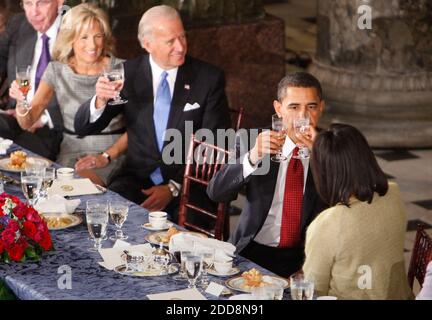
<point>357,252</point>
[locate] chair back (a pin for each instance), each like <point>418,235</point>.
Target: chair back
<point>421,256</point>
<point>203,161</point>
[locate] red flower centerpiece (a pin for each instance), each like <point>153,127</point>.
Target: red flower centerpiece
<point>23,233</point>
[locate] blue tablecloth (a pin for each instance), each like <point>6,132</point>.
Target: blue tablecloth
<point>39,280</point>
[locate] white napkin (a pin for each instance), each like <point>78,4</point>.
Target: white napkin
<point>186,241</point>
<point>112,256</point>
<point>57,204</point>
<point>4,145</point>
<point>186,294</point>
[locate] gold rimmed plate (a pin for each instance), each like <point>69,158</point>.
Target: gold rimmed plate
<point>158,237</point>
<point>60,221</point>
<point>238,283</point>
<point>6,166</point>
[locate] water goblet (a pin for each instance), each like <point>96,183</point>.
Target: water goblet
<point>181,258</point>
<point>47,181</point>
<point>193,267</point>
<point>115,74</point>
<point>302,288</point>
<point>278,126</point>
<point>97,220</point>
<point>118,211</point>
<point>208,256</point>
<point>31,184</point>
<point>301,126</point>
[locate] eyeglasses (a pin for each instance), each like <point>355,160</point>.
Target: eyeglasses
<point>37,4</point>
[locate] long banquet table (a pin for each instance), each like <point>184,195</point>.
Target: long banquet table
<point>39,280</point>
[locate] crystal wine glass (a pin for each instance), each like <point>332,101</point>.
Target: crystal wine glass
<point>31,184</point>
<point>278,126</point>
<point>301,126</point>
<point>193,267</point>
<point>302,288</point>
<point>23,80</point>
<point>47,181</point>
<point>208,256</point>
<point>97,220</point>
<point>115,74</point>
<point>118,212</point>
<point>181,258</point>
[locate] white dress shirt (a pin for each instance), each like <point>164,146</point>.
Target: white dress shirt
<point>52,34</point>
<point>269,234</point>
<point>156,77</point>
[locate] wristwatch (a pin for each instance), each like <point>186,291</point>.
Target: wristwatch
<point>173,189</point>
<point>106,156</point>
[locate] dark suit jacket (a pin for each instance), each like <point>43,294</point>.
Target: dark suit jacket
<point>17,46</point>
<point>197,82</point>
<point>226,184</point>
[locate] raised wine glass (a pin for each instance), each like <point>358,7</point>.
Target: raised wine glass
<point>97,220</point>
<point>23,80</point>
<point>278,126</point>
<point>115,74</point>
<point>118,212</point>
<point>301,126</point>
<point>31,184</point>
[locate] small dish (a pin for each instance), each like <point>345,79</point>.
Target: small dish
<point>232,272</point>
<point>148,226</point>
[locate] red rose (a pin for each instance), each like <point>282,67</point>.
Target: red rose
<point>14,199</point>
<point>46,242</point>
<point>13,225</point>
<point>29,229</point>
<point>16,252</point>
<point>8,237</point>
<point>38,236</point>
<point>32,215</point>
<point>20,211</point>
<point>1,247</point>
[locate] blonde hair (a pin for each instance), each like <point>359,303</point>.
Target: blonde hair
<point>146,24</point>
<point>74,21</point>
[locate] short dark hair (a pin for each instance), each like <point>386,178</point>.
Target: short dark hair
<point>343,165</point>
<point>298,80</point>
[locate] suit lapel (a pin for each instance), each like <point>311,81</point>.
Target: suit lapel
<point>28,38</point>
<point>182,89</point>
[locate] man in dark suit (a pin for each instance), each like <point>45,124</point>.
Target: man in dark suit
<point>281,196</point>
<point>21,45</point>
<point>198,98</point>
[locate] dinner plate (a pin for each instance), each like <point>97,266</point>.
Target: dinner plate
<point>155,237</point>
<point>232,272</point>
<point>237,283</point>
<point>60,221</point>
<point>148,226</point>
<point>172,268</point>
<point>4,164</point>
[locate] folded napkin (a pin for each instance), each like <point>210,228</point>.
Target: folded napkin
<point>187,241</point>
<point>186,294</point>
<point>57,204</point>
<point>4,145</point>
<point>112,256</point>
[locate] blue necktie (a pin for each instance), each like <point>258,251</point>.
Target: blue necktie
<point>161,112</point>
<point>44,59</point>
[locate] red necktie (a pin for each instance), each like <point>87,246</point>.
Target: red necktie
<point>292,204</point>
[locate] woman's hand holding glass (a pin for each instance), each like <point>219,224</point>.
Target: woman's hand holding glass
<point>20,88</point>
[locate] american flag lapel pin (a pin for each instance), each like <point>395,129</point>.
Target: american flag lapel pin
<point>187,87</point>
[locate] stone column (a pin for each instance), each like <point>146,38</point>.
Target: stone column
<point>378,79</point>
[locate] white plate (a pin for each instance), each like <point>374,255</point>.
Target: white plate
<point>237,283</point>
<point>148,226</point>
<point>172,268</point>
<point>73,220</point>
<point>4,164</point>
<point>232,272</point>
<point>155,237</point>
<point>243,296</point>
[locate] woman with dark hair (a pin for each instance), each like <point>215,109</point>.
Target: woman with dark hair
<point>354,249</point>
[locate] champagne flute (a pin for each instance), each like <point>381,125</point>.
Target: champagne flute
<point>301,126</point>
<point>97,220</point>
<point>31,184</point>
<point>115,74</point>
<point>23,80</point>
<point>47,181</point>
<point>118,212</point>
<point>278,126</point>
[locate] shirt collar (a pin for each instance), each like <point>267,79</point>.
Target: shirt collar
<point>157,71</point>
<point>53,30</point>
<point>288,146</point>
